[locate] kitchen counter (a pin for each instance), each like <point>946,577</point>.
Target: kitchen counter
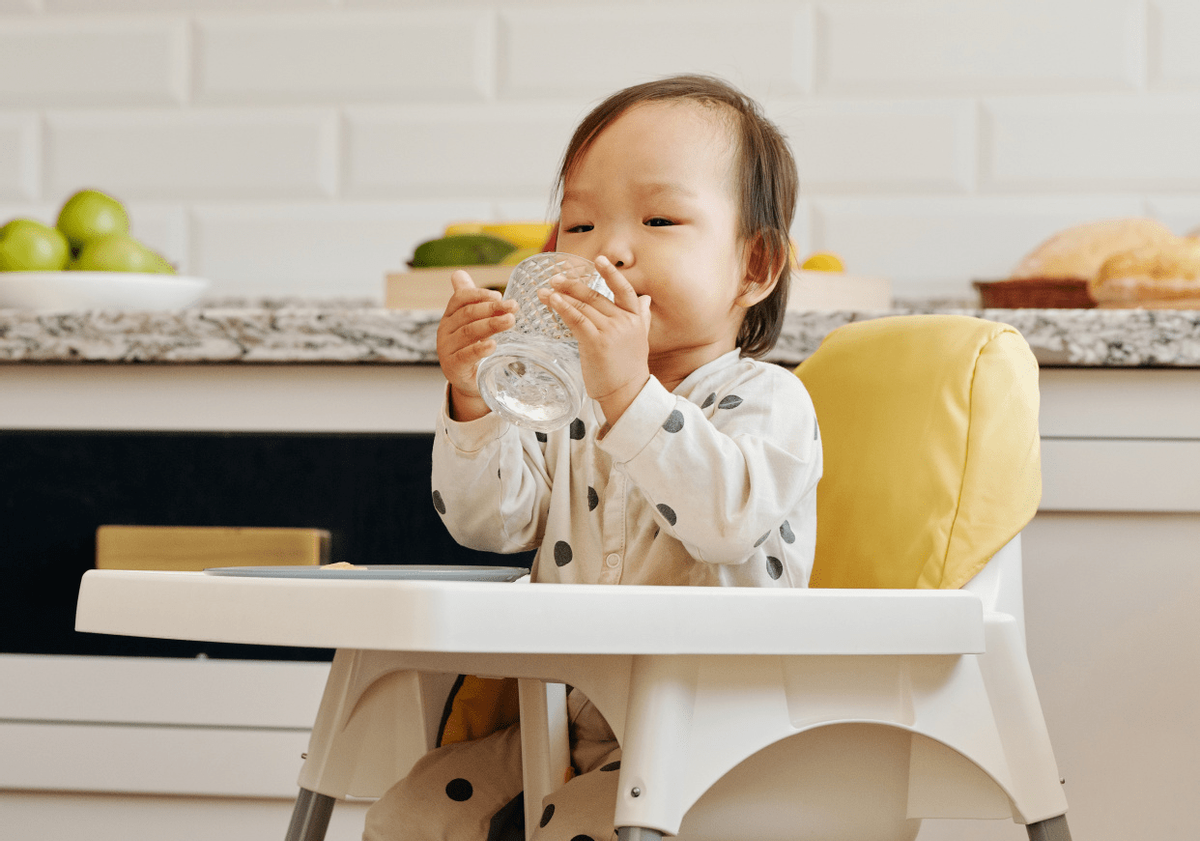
<point>327,332</point>
<point>1120,443</point>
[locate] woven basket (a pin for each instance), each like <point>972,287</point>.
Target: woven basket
<point>1035,293</point>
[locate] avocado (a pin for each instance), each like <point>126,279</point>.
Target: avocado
<point>462,250</point>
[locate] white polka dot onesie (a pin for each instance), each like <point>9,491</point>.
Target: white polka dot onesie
<point>713,484</point>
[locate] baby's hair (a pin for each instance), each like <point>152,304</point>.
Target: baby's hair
<point>766,175</point>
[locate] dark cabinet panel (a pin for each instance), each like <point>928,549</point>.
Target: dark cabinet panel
<point>371,492</point>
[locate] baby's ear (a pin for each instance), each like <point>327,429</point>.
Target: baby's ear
<point>763,269</point>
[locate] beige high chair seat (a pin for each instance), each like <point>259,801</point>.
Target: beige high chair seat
<point>897,689</point>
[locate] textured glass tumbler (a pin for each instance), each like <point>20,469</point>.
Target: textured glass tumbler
<point>533,378</point>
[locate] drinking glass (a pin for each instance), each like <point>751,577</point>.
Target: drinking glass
<point>533,378</point>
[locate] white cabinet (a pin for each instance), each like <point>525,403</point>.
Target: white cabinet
<point>129,748</point>
<point>1112,594</point>
<point>118,748</point>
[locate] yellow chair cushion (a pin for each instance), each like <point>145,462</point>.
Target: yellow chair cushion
<point>478,707</point>
<point>932,459</point>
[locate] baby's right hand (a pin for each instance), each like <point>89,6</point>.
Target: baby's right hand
<point>465,336</point>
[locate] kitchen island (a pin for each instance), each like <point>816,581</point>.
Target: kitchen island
<point>1111,575</point>
<point>355,332</point>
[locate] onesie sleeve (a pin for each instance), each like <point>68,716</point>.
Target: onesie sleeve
<point>721,474</point>
<point>489,483</point>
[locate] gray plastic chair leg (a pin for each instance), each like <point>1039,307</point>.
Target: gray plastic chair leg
<point>1051,829</point>
<point>638,833</point>
<point>310,816</point>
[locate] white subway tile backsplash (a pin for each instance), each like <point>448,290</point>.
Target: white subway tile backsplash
<point>183,5</point>
<point>951,46</point>
<point>305,146</point>
<point>253,153</point>
<point>589,51</point>
<point>314,249</point>
<point>883,145</point>
<point>1176,32</point>
<point>1180,213</point>
<point>20,165</point>
<point>525,210</point>
<point>1093,143</point>
<point>92,61</point>
<point>426,54</point>
<point>426,152</point>
<point>43,211</point>
<point>802,228</point>
<point>163,227</point>
<point>937,245</point>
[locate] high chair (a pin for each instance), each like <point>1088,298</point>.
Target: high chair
<point>896,689</point>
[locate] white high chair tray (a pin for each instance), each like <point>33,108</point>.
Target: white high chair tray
<point>379,572</point>
<point>492,617</point>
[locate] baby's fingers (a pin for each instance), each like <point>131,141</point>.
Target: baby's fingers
<point>485,326</point>
<point>623,294</point>
<point>573,312</point>
<point>461,281</point>
<point>579,292</point>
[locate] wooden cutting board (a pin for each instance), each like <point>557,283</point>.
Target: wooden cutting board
<point>1166,304</point>
<point>196,548</point>
<point>429,289</point>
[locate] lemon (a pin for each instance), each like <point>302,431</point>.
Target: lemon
<point>521,234</point>
<point>519,255</point>
<point>458,228</point>
<point>823,261</point>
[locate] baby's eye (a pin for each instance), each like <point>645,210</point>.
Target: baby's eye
<point>658,222</point>
<point>579,229</point>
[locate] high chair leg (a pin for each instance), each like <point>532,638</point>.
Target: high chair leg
<point>1051,829</point>
<point>638,833</point>
<point>310,816</point>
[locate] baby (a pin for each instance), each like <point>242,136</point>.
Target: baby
<point>692,461</point>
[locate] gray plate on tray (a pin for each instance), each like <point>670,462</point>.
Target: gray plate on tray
<point>381,572</point>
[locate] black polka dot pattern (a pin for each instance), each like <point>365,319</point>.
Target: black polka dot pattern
<point>439,504</point>
<point>612,766</point>
<point>708,401</point>
<point>816,432</point>
<point>761,540</point>
<point>577,430</point>
<point>774,567</point>
<point>541,436</point>
<point>583,838</point>
<point>459,789</point>
<point>674,422</point>
<point>730,402</point>
<point>547,814</point>
<point>593,498</point>
<point>785,531</point>
<point>668,513</point>
<point>562,553</point>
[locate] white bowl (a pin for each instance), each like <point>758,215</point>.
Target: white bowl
<point>98,290</point>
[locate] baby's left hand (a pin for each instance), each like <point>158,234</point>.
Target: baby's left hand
<point>613,336</point>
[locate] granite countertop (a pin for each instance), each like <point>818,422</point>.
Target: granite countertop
<point>347,331</point>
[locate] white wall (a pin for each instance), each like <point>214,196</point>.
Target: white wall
<point>305,146</point>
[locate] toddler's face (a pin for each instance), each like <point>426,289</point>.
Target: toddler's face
<point>655,194</point>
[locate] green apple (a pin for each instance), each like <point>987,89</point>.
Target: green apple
<point>27,245</point>
<point>90,214</point>
<point>120,253</point>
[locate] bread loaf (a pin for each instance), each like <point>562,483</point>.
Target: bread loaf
<point>1080,251</point>
<point>1167,271</point>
